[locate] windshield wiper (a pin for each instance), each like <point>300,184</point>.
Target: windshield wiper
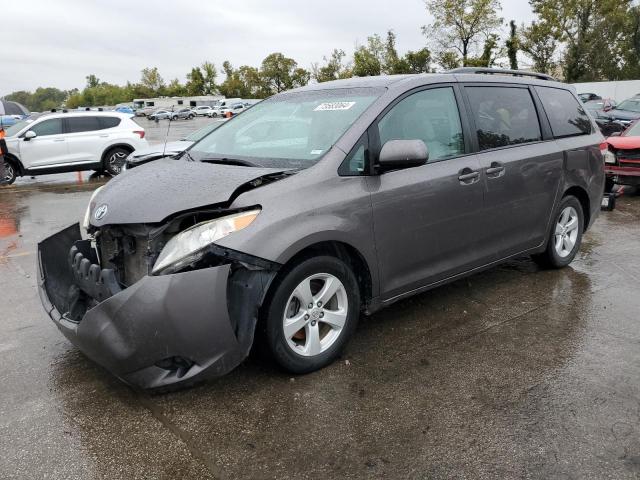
<point>185,153</point>
<point>229,161</point>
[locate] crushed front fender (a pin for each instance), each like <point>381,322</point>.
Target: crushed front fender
<point>162,330</point>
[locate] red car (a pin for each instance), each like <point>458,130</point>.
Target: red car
<point>622,158</point>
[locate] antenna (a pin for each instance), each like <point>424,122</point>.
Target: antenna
<point>166,137</point>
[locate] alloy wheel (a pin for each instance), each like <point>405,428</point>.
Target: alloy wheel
<point>566,232</point>
<point>315,314</point>
<point>116,161</point>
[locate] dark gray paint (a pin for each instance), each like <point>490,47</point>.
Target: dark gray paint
<point>414,228</point>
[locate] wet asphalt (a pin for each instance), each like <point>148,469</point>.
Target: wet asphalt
<point>516,372</point>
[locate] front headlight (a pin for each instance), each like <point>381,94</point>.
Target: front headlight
<point>87,214</point>
<point>190,245</point>
<point>609,157</point>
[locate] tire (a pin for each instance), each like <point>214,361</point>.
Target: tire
<point>608,185</point>
<point>115,159</point>
<point>190,117</point>
<point>565,236</point>
<point>174,118</point>
<point>214,115</point>
<point>10,173</point>
<point>302,351</point>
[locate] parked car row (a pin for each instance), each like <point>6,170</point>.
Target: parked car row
<point>288,221</point>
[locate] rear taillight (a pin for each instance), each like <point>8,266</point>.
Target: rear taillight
<point>139,132</point>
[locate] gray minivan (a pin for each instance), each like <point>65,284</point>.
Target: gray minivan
<point>317,205</point>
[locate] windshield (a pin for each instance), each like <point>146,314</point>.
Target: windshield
<point>16,127</point>
<point>289,130</point>
<point>201,133</point>
<point>632,105</point>
<point>593,106</point>
<point>633,130</point>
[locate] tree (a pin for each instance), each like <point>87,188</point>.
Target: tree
<point>595,35</point>
<point>92,81</point>
<point>418,61</point>
<point>333,69</point>
<point>448,59</point>
<point>195,82</point>
<point>488,57</point>
<point>512,46</point>
<point>175,89</point>
<point>245,82</point>
<point>458,24</point>
<point>150,78</point>
<point>369,59</point>
<point>539,41</point>
<point>280,73</point>
<point>209,76</point>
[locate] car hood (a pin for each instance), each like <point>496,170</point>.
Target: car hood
<point>616,114</point>
<point>157,190</point>
<point>624,143</point>
<point>169,149</point>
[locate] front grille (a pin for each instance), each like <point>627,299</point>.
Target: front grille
<point>127,255</point>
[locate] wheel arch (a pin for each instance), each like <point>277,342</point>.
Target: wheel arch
<point>341,250</point>
<point>16,163</point>
<point>583,197</point>
<point>108,150</point>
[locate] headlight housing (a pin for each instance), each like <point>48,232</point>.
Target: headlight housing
<point>609,157</point>
<point>87,214</point>
<point>190,245</point>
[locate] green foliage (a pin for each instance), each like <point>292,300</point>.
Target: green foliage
<point>42,99</point>
<point>279,73</point>
<point>333,69</point>
<point>540,41</point>
<point>458,24</point>
<point>195,82</point>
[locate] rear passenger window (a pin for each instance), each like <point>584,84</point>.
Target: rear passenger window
<point>503,116</point>
<point>429,115</point>
<point>82,124</point>
<point>52,126</point>
<point>566,116</point>
<point>109,122</point>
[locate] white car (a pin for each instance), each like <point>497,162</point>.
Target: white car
<point>234,109</point>
<point>71,141</point>
<point>202,110</point>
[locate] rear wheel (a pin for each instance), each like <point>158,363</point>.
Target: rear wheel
<point>566,235</point>
<point>115,159</point>
<point>312,313</point>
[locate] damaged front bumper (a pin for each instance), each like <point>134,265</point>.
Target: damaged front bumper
<point>162,330</point>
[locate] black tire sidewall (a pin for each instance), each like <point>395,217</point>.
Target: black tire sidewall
<point>107,165</point>
<point>9,164</point>
<point>287,358</point>
<point>552,256</point>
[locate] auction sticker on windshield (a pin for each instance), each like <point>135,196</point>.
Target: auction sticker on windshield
<point>328,106</point>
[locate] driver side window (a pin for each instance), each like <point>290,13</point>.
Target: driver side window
<point>429,115</point>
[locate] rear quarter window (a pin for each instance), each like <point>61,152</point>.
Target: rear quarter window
<point>566,116</point>
<point>109,122</point>
<point>82,124</point>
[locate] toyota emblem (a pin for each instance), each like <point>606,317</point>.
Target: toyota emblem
<point>100,212</point>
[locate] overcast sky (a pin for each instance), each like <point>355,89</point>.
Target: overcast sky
<point>58,42</point>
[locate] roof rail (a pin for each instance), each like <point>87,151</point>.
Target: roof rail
<point>502,71</point>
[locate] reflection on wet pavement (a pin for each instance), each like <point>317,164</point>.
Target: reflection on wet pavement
<point>511,373</point>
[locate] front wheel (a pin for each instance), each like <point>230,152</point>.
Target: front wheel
<point>10,173</point>
<point>190,117</point>
<point>312,313</point>
<point>115,160</point>
<point>566,235</point>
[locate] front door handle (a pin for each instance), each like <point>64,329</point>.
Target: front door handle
<point>495,170</point>
<point>58,139</point>
<point>104,136</point>
<point>468,176</point>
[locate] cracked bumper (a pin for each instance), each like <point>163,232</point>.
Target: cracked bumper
<point>183,315</point>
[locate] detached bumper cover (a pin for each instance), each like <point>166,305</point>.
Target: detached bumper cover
<point>159,319</point>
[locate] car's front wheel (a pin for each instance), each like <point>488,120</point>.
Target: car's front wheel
<point>115,160</point>
<point>565,237</point>
<point>10,173</point>
<point>312,313</point>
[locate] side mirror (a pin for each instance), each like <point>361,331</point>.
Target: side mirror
<point>399,154</point>
<point>29,135</point>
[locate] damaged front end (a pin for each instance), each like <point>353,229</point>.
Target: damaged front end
<point>151,322</point>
